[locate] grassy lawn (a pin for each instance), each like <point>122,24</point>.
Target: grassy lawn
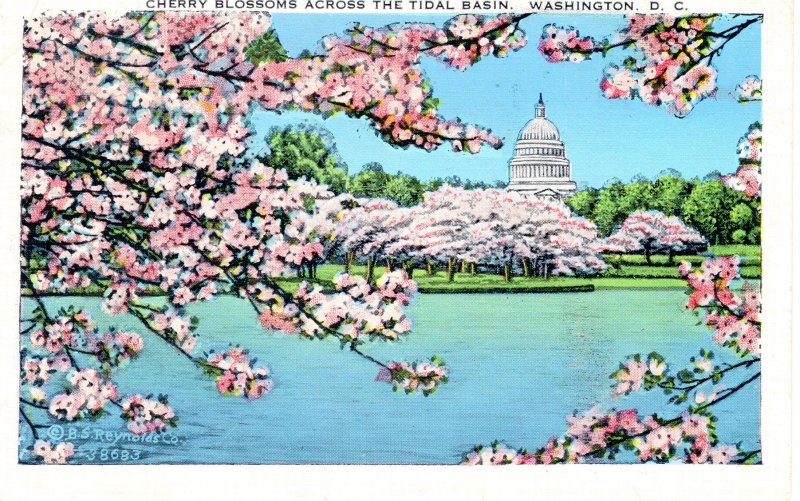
<point>736,249</point>
<point>644,277</point>
<point>628,271</point>
<point>749,254</point>
<point>490,282</point>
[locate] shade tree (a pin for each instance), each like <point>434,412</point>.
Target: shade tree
<point>708,204</point>
<point>306,152</point>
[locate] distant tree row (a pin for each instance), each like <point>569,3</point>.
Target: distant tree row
<point>719,212</point>
<point>310,152</point>
<point>723,215</point>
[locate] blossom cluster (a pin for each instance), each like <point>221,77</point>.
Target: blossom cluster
<point>359,309</point>
<point>53,455</point>
<point>55,341</point>
<point>424,376</point>
<point>631,375</point>
<point>55,336</point>
<point>88,394</point>
<point>594,435</point>
<point>749,89</point>
<point>237,375</point>
<point>145,415</point>
<point>693,383</point>
<point>69,329</point>
<point>115,348</point>
<point>176,327</point>
<point>734,316</point>
<point>672,70</point>
<point>37,369</point>
<point>671,65</point>
<point>559,44</point>
<point>471,37</point>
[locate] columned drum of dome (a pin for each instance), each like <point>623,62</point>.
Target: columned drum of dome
<point>540,166</point>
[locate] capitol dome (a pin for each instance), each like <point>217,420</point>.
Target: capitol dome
<point>540,166</point>
<point>540,128</point>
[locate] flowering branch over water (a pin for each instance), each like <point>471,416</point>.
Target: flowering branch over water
<point>672,61</point>
<point>424,376</point>
<point>136,179</point>
<point>691,436</point>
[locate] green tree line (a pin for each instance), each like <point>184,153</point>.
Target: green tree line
<point>721,214</point>
<point>311,153</point>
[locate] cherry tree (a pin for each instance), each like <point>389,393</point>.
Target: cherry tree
<point>690,435</point>
<point>136,177</point>
<point>445,229</point>
<point>493,228</point>
<point>314,236</point>
<point>653,232</point>
<point>669,59</point>
<point>364,230</point>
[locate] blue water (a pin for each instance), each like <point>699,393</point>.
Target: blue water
<point>519,364</point>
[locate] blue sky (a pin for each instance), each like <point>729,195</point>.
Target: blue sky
<point>604,138</point>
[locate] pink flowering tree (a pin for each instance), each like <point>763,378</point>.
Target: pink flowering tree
<point>491,228</point>
<point>365,230</point>
<point>136,179</point>
<point>313,235</point>
<point>653,232</point>
<point>669,59</point>
<point>689,434</point>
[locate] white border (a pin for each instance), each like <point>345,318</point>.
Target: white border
<point>650,482</point>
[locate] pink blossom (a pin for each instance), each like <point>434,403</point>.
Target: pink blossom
<point>53,455</point>
<point>237,376</point>
<point>145,415</point>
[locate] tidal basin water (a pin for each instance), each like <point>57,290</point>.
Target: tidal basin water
<point>519,364</point>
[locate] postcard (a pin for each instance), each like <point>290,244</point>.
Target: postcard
<point>345,239</point>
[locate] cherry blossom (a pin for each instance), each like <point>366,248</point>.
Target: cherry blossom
<point>136,180</point>
<point>425,376</point>
<point>691,436</point>
<point>595,435</point>
<point>145,415</point>
<point>671,65</point>
<point>652,232</point>
<point>749,89</point>
<point>734,316</point>
<point>491,228</point>
<point>237,374</point>
<point>53,455</point>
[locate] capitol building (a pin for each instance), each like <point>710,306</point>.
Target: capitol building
<point>539,166</point>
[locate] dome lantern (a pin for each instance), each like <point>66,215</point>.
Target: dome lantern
<point>540,112</point>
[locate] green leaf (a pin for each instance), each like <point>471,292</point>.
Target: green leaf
<point>685,376</point>
<point>266,48</point>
